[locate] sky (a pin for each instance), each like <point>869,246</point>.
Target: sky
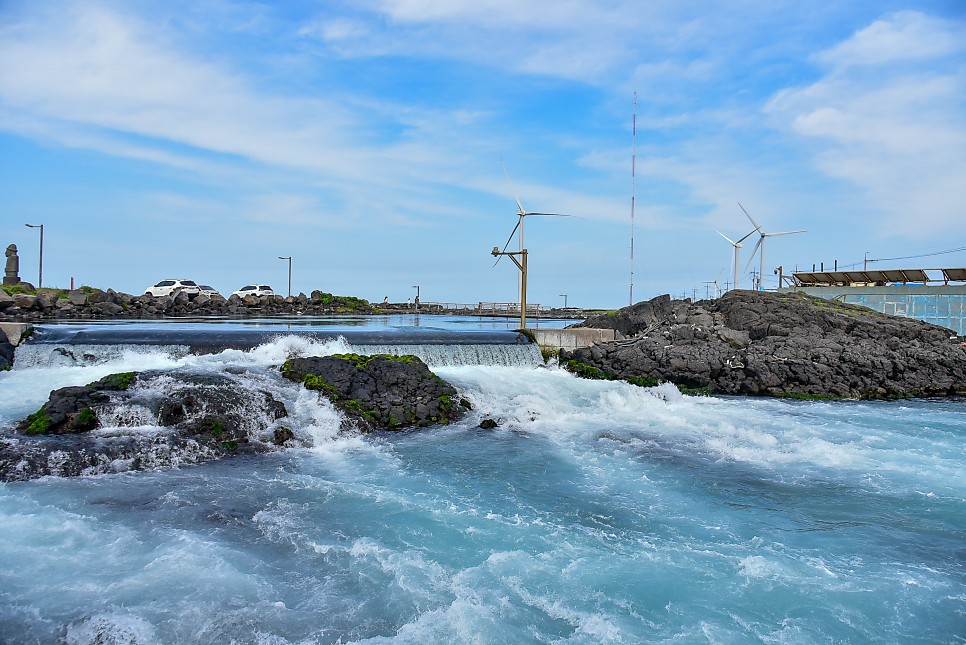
<point>382,144</point>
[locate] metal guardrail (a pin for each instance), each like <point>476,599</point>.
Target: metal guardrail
<point>481,307</point>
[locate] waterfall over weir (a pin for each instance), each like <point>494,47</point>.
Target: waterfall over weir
<point>71,345</point>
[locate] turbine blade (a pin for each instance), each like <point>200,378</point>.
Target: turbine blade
<point>509,239</point>
<point>550,214</point>
<point>748,215</point>
<point>749,235</point>
<point>783,233</point>
<point>753,251</point>
<point>520,209</point>
<point>733,243</point>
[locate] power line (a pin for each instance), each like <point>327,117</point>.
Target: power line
<point>924,255</point>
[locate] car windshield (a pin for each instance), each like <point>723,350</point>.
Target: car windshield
<point>249,287</point>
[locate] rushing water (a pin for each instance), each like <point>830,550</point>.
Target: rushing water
<point>597,512</point>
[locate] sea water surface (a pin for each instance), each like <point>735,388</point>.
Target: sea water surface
<point>597,512</point>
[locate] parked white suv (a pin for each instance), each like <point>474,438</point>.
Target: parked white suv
<point>171,287</point>
<point>256,290</point>
<point>209,291</point>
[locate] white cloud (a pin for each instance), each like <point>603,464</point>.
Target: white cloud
<point>87,76</point>
<point>888,117</point>
<point>900,37</point>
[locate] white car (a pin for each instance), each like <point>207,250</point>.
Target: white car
<point>209,291</point>
<point>256,290</point>
<point>171,287</point>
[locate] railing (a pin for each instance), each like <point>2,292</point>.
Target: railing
<point>480,307</point>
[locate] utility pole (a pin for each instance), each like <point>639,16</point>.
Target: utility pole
<point>40,277</point>
<point>416,287</point>
<point>565,299</point>
<point>523,279</point>
<point>289,258</point>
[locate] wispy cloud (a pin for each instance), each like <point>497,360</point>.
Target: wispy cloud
<point>888,116</point>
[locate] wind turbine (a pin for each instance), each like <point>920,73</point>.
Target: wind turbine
<point>761,243</point>
<point>737,245</point>
<point>717,289</point>
<point>522,214</point>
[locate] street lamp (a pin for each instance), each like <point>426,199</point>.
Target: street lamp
<point>289,258</point>
<point>565,299</point>
<point>416,287</point>
<point>40,278</point>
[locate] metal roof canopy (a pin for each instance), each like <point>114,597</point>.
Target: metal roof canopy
<point>904,276</point>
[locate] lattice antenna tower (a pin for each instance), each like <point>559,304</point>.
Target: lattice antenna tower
<point>633,190</point>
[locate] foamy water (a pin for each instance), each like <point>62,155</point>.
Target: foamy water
<point>597,512</point>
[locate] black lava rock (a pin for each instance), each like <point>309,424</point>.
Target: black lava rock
<point>776,344</point>
<point>381,391</point>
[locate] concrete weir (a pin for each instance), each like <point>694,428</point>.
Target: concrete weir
<point>212,339</point>
<point>571,339</point>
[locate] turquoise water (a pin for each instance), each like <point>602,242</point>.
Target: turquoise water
<point>597,512</point>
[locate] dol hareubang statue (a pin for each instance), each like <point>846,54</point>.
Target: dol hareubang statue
<point>12,270</point>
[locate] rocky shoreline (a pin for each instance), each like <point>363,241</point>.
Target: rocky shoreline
<point>744,343</point>
<point>776,344</point>
<point>196,417</point>
<point>87,302</point>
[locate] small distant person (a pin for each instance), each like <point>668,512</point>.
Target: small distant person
<point>417,301</point>
<point>408,301</point>
<point>385,300</point>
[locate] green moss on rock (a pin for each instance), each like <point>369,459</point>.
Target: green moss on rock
<point>39,422</point>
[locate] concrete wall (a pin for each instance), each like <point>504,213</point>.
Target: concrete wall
<point>571,339</point>
<point>14,331</point>
<point>940,305</point>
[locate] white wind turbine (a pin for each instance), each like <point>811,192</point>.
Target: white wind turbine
<point>761,243</point>
<point>716,291</point>
<point>522,214</point>
<point>737,245</point>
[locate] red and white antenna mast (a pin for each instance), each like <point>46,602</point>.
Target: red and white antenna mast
<point>633,192</point>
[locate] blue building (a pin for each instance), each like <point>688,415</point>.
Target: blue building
<point>936,296</point>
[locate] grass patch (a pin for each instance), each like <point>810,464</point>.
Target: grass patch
<point>120,381</point>
<point>39,422</point>
<point>86,419</point>
<point>694,391</point>
<point>361,361</point>
<point>354,406</point>
<point>584,370</point>
<point>804,396</point>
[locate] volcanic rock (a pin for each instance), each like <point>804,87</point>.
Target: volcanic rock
<point>380,391</point>
<point>139,421</point>
<point>777,344</point>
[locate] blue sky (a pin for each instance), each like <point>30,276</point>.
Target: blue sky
<point>366,138</point>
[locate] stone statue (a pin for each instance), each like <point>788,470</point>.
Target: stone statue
<point>12,272</point>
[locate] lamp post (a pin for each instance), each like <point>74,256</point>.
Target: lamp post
<point>289,258</point>
<point>565,299</point>
<point>416,287</point>
<point>40,277</point>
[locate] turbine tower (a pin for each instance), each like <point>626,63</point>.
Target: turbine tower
<point>761,243</point>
